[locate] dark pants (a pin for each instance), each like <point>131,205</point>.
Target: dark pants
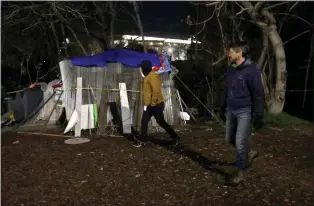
<point>158,112</point>
<point>238,131</point>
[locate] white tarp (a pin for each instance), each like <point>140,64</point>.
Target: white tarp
<point>47,109</point>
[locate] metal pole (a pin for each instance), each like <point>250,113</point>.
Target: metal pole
<point>200,101</point>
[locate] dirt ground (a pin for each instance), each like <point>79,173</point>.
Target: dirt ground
<point>43,170</point>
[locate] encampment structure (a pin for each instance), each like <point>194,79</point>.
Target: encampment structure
<point>103,92</point>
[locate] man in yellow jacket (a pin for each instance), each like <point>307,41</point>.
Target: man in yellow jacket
<point>153,105</point>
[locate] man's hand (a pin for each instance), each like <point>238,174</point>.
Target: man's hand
<point>258,122</point>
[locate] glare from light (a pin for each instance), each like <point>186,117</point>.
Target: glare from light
<point>170,50</point>
<point>165,40</point>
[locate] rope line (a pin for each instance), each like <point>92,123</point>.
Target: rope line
<point>132,90</point>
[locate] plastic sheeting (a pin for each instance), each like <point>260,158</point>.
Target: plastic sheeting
<point>26,102</point>
<point>128,58</point>
<point>47,109</point>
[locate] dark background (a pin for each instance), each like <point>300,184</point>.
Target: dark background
<point>167,17</point>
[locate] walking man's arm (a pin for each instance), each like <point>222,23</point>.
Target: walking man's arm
<point>258,97</point>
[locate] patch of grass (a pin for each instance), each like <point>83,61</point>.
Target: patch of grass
<point>283,120</point>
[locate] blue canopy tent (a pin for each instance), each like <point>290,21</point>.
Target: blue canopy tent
<point>127,57</point>
<point>104,71</point>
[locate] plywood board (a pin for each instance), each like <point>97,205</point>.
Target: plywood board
<point>87,116</point>
<point>78,106</point>
<point>125,109</point>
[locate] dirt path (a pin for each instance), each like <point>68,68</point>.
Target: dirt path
<point>109,171</point>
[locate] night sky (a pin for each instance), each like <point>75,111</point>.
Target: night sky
<point>165,18</point>
<point>162,17</point>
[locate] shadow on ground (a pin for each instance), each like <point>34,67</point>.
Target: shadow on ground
<point>195,156</point>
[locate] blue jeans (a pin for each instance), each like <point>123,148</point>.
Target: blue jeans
<point>238,131</point>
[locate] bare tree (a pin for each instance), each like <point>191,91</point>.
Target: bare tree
<point>311,58</point>
<point>112,21</point>
<point>43,18</point>
<point>139,23</point>
<point>264,16</point>
<point>40,28</point>
<point>266,21</point>
<point>261,14</point>
<point>202,31</point>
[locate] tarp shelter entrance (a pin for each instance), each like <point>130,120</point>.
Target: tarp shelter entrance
<point>111,84</point>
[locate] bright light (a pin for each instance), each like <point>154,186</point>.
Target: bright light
<point>170,50</point>
<point>165,40</point>
<point>67,40</point>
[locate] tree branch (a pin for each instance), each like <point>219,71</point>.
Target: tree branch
<point>307,31</point>
<point>217,8</point>
<point>295,16</point>
<point>264,50</point>
<point>27,68</point>
<point>275,5</point>
<point>56,38</point>
<point>139,23</point>
<point>113,17</point>
<point>51,69</point>
<point>259,5</point>
<point>78,41</point>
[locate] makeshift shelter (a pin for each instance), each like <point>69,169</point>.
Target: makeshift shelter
<point>26,102</point>
<point>36,104</point>
<point>109,90</point>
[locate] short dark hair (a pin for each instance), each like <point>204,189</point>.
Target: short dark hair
<point>240,46</point>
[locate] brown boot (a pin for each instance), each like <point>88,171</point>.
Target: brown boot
<point>236,179</point>
<point>251,157</point>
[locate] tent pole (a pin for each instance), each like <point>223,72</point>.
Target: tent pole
<point>54,107</point>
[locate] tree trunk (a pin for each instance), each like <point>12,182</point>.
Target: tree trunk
<point>113,18</point>
<point>78,41</point>
<point>261,59</point>
<point>64,40</point>
<point>139,23</point>
<point>56,39</point>
<point>277,100</point>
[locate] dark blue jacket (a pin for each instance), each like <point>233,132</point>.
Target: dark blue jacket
<point>244,87</point>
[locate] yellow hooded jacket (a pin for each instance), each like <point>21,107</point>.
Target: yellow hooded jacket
<point>152,93</point>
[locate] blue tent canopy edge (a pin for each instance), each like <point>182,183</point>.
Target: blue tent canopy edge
<point>127,57</point>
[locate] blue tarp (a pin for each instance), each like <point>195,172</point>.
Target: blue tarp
<point>127,57</point>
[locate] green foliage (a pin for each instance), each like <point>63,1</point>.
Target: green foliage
<point>283,120</point>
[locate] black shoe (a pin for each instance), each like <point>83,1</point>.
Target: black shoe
<point>235,180</point>
<point>175,142</point>
<point>138,144</point>
<point>142,144</point>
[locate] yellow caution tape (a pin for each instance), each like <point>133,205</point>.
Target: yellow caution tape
<point>114,90</point>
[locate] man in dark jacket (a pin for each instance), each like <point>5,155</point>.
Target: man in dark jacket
<point>153,104</point>
<point>244,99</point>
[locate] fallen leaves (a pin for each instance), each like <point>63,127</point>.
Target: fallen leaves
<point>111,171</point>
